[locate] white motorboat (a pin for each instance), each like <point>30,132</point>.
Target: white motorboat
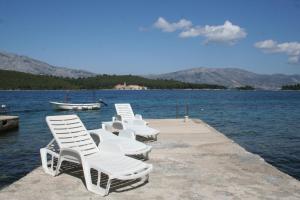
<point>75,106</point>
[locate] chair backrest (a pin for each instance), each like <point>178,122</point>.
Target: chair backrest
<point>125,111</point>
<point>69,132</point>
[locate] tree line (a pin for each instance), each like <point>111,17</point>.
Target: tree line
<point>12,80</point>
<point>291,87</point>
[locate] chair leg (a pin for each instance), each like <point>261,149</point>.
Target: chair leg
<point>146,155</point>
<point>43,153</point>
<point>90,186</point>
<point>108,186</point>
<point>59,162</point>
<point>47,170</point>
<point>145,179</point>
<point>99,179</point>
<point>87,177</point>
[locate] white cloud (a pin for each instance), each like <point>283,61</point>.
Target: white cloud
<point>226,33</point>
<point>291,49</point>
<point>166,26</point>
<point>192,32</point>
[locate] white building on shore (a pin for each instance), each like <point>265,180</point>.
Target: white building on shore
<point>124,86</point>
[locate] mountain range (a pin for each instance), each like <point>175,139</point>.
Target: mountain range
<point>229,77</point>
<point>9,61</point>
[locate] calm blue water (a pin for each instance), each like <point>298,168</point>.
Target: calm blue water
<point>264,122</point>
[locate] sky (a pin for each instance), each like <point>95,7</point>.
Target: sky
<point>151,37</point>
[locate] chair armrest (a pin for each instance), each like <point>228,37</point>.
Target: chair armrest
<point>117,118</point>
<point>110,147</point>
<point>127,133</point>
<point>95,136</point>
<point>118,125</point>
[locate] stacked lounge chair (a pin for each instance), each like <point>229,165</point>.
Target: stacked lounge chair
<point>127,120</point>
<point>126,114</point>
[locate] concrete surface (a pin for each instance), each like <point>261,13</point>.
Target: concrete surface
<point>8,117</point>
<point>191,161</point>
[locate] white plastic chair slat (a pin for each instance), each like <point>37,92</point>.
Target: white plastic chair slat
<point>71,119</point>
<point>58,124</point>
<point>125,111</point>
<point>71,140</point>
<point>84,142</point>
<point>81,136</point>
<point>70,127</point>
<point>63,123</point>
<point>78,139</point>
<point>78,130</point>
<point>62,132</point>
<point>63,118</point>
<point>84,145</point>
<point>89,152</point>
<point>125,114</point>
<point>72,134</point>
<point>64,137</point>
<point>73,123</point>
<point>73,129</point>
<point>86,148</point>
<point>68,145</point>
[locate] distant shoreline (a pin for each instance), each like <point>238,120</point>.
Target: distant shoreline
<point>105,89</point>
<point>12,80</point>
<point>42,90</point>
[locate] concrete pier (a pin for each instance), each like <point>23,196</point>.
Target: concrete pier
<point>191,161</point>
<point>8,122</point>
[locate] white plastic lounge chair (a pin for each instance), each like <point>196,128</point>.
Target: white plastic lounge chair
<point>77,146</point>
<point>138,128</point>
<point>125,141</point>
<point>126,114</point>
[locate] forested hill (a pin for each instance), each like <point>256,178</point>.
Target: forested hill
<point>10,80</point>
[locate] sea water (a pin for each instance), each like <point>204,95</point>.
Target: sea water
<point>263,122</point>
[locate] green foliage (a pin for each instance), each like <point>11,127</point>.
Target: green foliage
<point>20,80</point>
<point>246,87</point>
<point>291,87</point>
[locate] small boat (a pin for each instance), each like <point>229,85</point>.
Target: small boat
<point>8,122</point>
<point>75,106</point>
